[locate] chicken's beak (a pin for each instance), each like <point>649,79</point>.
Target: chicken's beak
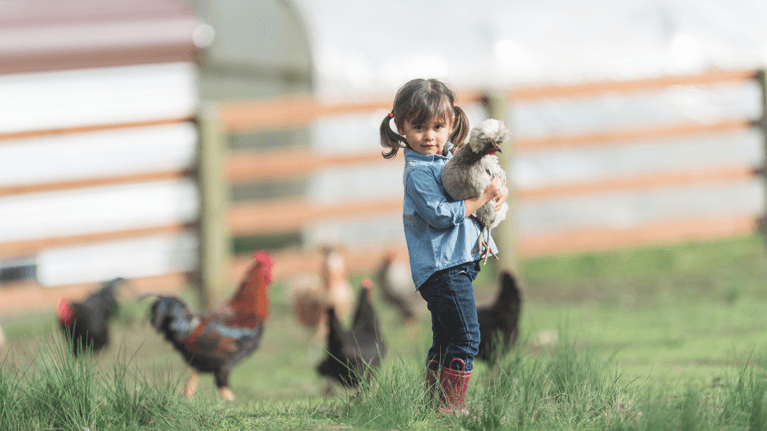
<point>498,149</point>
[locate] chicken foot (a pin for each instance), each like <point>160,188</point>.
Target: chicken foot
<point>484,248</point>
<point>227,393</point>
<point>488,252</point>
<point>191,384</point>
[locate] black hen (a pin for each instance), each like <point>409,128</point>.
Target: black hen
<point>498,323</point>
<point>352,354</point>
<point>87,322</point>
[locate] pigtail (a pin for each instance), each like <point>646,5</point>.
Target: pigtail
<point>460,128</point>
<point>390,140</point>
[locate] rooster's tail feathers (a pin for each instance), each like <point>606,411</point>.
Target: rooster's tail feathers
<point>165,308</point>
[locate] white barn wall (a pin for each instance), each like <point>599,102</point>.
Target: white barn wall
<point>97,209</point>
<point>137,257</point>
<point>94,155</point>
<point>97,96</point>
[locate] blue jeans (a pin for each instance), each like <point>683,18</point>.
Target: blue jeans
<point>454,325</point>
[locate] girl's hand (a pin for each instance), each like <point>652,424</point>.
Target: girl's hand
<point>495,191</point>
<point>499,201</point>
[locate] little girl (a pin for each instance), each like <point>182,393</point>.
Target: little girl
<point>440,235</point>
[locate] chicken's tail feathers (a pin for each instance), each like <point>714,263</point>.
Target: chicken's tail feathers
<point>144,296</point>
<point>165,309</point>
<point>336,340</point>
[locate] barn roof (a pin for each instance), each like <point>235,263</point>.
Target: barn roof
<point>44,35</point>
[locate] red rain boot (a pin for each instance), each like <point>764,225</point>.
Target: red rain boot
<point>454,384</point>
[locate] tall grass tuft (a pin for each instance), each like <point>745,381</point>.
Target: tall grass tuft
<point>53,390</point>
<point>744,399</point>
<point>11,397</point>
<point>64,387</point>
<point>393,397</point>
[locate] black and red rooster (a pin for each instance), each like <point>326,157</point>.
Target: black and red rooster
<point>87,322</point>
<point>214,341</point>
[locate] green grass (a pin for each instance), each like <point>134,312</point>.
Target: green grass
<point>682,314</point>
<point>646,339</point>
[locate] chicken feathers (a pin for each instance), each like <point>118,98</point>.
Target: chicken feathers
<point>353,353</point>
<point>312,295</point>
<point>498,323</point>
<point>214,341</point>
<point>470,171</point>
<point>87,322</point>
<point>397,287</point>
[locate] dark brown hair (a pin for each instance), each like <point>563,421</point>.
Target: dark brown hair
<point>417,102</point>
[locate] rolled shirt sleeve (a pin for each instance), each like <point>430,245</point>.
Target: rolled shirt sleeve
<point>429,197</point>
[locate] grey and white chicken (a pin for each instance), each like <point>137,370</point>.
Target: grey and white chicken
<point>470,171</point>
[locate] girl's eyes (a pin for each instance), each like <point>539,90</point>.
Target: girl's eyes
<point>436,126</point>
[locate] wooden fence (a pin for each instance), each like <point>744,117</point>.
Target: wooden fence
<point>222,219</point>
<point>219,169</point>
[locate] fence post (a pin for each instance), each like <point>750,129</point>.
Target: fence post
<point>761,77</point>
<point>505,233</point>
<point>214,198</point>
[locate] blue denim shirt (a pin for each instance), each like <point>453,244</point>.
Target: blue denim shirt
<point>437,231</point>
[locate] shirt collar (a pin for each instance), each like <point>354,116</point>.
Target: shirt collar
<point>411,155</point>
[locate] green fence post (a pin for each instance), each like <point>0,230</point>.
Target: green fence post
<point>505,233</point>
<point>214,198</point>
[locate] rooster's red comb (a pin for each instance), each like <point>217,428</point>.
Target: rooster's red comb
<point>262,256</point>
<point>64,310</point>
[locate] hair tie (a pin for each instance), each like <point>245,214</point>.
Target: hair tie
<point>391,115</point>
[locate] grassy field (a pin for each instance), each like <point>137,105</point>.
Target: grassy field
<point>655,338</point>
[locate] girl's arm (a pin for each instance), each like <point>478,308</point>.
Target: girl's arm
<point>496,190</point>
<point>431,202</point>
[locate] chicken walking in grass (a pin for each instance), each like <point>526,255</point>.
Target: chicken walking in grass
<point>216,340</point>
<point>352,354</point>
<point>86,323</point>
<point>499,321</point>
<point>472,169</point>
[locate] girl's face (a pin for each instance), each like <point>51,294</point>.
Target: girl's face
<point>427,138</point>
